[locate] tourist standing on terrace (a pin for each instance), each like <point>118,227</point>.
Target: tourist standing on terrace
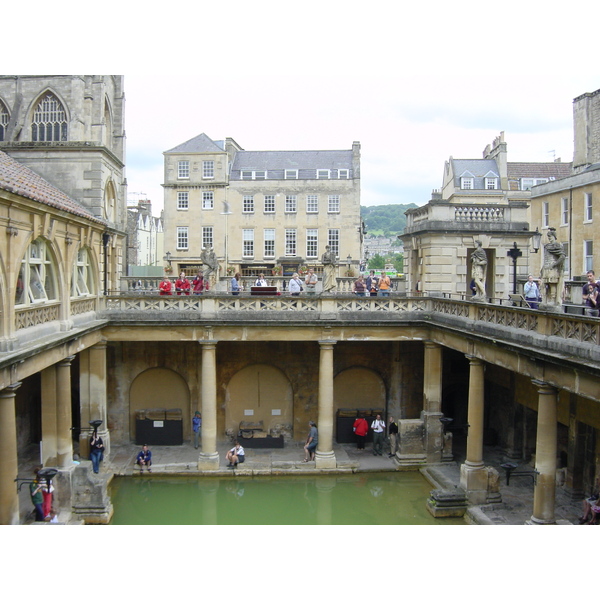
<point>591,294</point>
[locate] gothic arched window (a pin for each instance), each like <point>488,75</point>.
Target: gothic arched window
<point>37,277</point>
<point>49,120</point>
<point>4,117</point>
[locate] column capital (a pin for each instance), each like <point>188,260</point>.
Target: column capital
<point>431,344</point>
<point>544,387</point>
<point>325,343</point>
<point>474,360</point>
<point>66,362</point>
<point>208,343</point>
<point>11,389</point>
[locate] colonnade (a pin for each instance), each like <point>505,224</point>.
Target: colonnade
<point>56,423</point>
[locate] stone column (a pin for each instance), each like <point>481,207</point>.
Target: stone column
<point>324,455</point>
<point>64,444</point>
<point>92,385</point>
<point>545,455</point>
<point>432,401</point>
<point>9,499</point>
<point>473,475</point>
<point>49,418</point>
<point>209,457</point>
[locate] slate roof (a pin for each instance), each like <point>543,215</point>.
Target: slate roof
<point>201,143</point>
<point>19,179</point>
<point>271,160</point>
<point>477,167</point>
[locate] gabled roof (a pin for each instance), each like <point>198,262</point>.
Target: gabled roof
<point>201,143</point>
<point>19,179</point>
<point>558,170</point>
<point>477,167</point>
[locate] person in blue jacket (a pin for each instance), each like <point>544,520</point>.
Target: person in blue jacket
<point>144,458</point>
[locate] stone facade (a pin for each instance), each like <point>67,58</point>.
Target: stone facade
<point>261,211</point>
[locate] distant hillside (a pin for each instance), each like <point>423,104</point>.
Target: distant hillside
<point>387,219</point>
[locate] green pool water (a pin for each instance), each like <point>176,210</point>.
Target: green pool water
<point>358,499</point>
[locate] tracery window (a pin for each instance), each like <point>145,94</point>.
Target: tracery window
<point>4,117</point>
<point>37,276</point>
<point>49,120</point>
<point>83,281</point>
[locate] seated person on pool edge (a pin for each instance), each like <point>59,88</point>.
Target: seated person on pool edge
<point>235,455</point>
<point>144,457</point>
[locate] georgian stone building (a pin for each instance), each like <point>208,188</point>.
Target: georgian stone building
<point>261,211</point>
<point>484,200</point>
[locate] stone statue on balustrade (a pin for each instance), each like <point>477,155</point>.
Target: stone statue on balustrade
<point>211,268</point>
<point>552,275</point>
<point>478,272</point>
<point>329,269</point>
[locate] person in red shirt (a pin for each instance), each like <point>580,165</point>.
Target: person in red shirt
<point>182,285</point>
<point>165,287</point>
<point>360,428</point>
<point>200,284</point>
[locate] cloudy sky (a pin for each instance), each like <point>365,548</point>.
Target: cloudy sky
<point>413,85</point>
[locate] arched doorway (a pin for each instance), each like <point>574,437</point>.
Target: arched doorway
<point>156,389</point>
<point>260,393</point>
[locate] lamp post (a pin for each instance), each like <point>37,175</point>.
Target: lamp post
<point>514,253</point>
<point>536,240</point>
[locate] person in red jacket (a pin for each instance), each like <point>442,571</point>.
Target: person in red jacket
<point>165,287</point>
<point>360,428</point>
<point>200,284</point>
<point>182,285</point>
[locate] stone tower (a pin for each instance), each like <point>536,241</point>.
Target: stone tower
<point>586,121</point>
<point>70,130</point>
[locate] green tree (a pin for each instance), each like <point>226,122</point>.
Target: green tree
<point>376,262</point>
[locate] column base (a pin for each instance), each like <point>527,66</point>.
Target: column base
<point>535,521</point>
<point>474,481</point>
<point>91,501</point>
<point>208,462</point>
<point>325,460</point>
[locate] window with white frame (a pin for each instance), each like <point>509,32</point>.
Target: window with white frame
<point>183,169</point>
<point>343,174</point>
<point>312,203</point>
<point>248,204</point>
<point>182,238</point>
<point>37,276</point>
<point>291,173</point>
<point>290,204</point>
<point>208,200</point>
<point>83,280</point>
<point>49,123</point>
<point>269,240</point>
<point>253,174</point>
<point>528,182</point>
<point>290,242</point>
<point>312,243</point>
<point>491,183</point>
<point>564,211</point>
<point>269,203</point>
<point>248,243</point>
<point>208,240</point>
<point>587,200</point>
<point>545,214</point>
<point>208,169</point>
<point>588,255</point>
<point>333,239</point>
<point>333,203</point>
<point>323,173</point>
<point>466,183</point>
<point>183,200</point>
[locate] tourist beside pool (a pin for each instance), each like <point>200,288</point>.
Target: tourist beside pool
<point>144,458</point>
<point>96,451</point>
<point>236,455</point>
<point>311,442</point>
<point>197,427</point>
<point>378,427</point>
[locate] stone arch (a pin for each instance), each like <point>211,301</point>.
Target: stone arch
<point>159,388</point>
<point>4,119</point>
<point>359,388</point>
<point>110,202</point>
<point>264,390</point>
<point>108,124</point>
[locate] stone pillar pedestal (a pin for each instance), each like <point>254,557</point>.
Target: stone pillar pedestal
<point>91,500</point>
<point>9,499</point>
<point>473,476</point>
<point>64,446</point>
<point>432,402</point>
<point>545,455</point>
<point>49,417</point>
<point>209,457</point>
<point>324,455</point>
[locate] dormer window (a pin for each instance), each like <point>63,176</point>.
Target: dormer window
<point>291,173</point>
<point>466,183</point>
<point>491,183</point>
<point>248,175</point>
<point>322,173</point>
